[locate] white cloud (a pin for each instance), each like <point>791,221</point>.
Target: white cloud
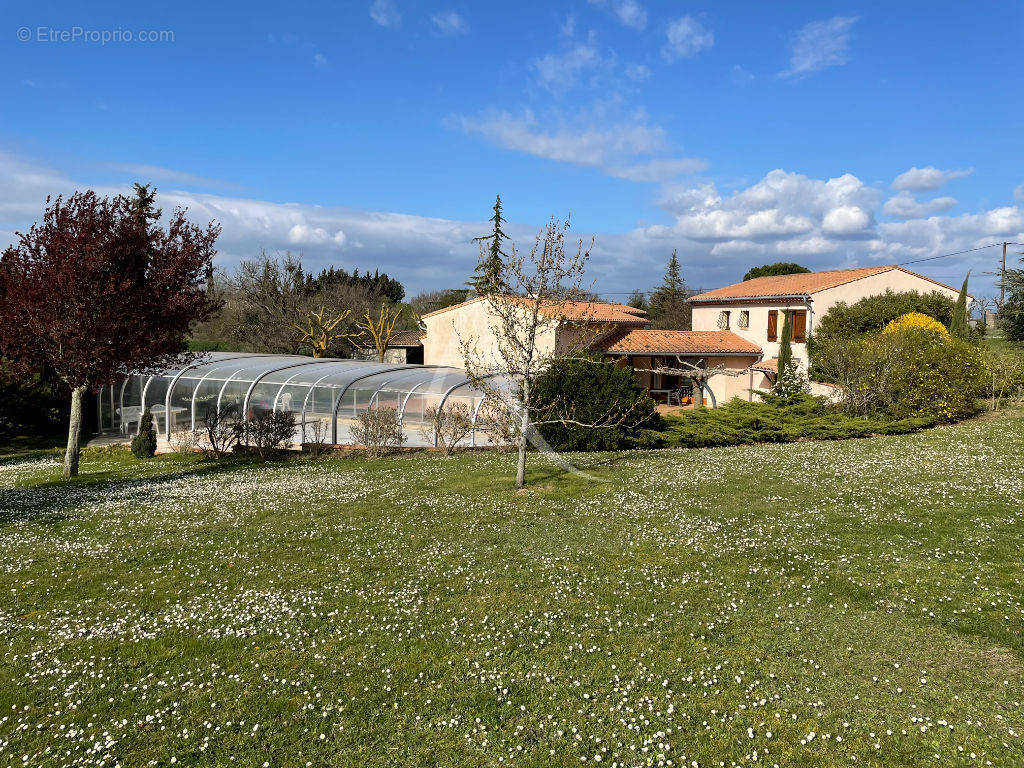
<point>820,44</point>
<point>823,224</point>
<point>304,234</point>
<point>385,13</point>
<point>637,72</point>
<point>846,220</point>
<point>782,206</point>
<point>630,149</point>
<point>1018,192</point>
<point>562,70</point>
<point>631,13</point>
<point>568,28</point>
<point>450,23</point>
<point>152,174</point>
<point>319,59</point>
<point>927,179</point>
<point>781,217</point>
<point>905,206</point>
<point>659,169</point>
<point>686,37</point>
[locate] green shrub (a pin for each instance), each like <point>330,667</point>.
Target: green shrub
<point>918,373</point>
<point>777,420</point>
<point>778,268</point>
<point>144,443</point>
<point>1011,317</point>
<point>592,391</point>
<point>36,406</point>
<point>873,313</point>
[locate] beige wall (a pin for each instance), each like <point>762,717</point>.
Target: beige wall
<point>895,280</point>
<point>705,318</point>
<point>475,324</point>
<point>727,387</point>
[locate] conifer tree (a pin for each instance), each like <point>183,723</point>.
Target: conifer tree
<point>669,307</point>
<point>958,326</point>
<point>486,279</point>
<point>144,443</point>
<point>790,380</point>
<point>785,347</point>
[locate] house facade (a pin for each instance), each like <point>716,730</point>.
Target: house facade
<point>754,309</point>
<point>473,323</point>
<point>736,331</point>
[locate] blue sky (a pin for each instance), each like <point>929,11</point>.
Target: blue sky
<point>376,133</point>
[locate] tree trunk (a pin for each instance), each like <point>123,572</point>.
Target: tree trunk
<point>74,427</point>
<point>521,465</point>
<point>524,425</point>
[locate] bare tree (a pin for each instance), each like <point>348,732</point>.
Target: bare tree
<point>319,332</point>
<point>380,331</point>
<point>536,318</point>
<point>379,430</point>
<point>222,429</point>
<point>269,431</point>
<point>267,294</point>
<point>447,427</point>
<point>315,434</point>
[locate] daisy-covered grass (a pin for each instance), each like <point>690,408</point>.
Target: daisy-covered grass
<point>809,604</point>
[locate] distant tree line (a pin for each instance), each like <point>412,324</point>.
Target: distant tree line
<point>272,304</point>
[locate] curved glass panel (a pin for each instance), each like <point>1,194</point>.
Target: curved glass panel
<point>314,390</point>
<point>180,405</point>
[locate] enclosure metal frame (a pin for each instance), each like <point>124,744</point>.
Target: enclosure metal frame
<point>233,365</point>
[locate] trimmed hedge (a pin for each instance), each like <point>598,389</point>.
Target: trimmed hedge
<point>773,421</point>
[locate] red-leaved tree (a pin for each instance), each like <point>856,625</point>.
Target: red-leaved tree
<point>99,288</point>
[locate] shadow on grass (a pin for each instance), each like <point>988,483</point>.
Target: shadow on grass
<point>592,464</point>
<point>53,500</point>
<point>31,446</point>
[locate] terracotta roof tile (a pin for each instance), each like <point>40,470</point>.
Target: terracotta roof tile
<point>407,339</point>
<point>770,365</point>
<point>791,285</point>
<point>594,311</point>
<point>644,341</point>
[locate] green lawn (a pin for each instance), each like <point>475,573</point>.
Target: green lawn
<point>810,604</point>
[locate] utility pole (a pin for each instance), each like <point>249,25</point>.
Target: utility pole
<point>1002,280</point>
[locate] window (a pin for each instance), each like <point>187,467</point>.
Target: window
<point>744,321</point>
<point>773,325</point>
<point>723,320</point>
<point>799,320</point>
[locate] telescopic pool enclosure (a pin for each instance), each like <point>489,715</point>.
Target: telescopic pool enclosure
<point>328,392</point>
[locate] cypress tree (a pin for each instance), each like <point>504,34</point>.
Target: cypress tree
<point>958,327</point>
<point>785,349</point>
<point>487,277</point>
<point>144,443</point>
<point>789,381</point>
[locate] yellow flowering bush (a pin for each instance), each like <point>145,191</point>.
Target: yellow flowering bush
<point>916,321</point>
<point>914,371</point>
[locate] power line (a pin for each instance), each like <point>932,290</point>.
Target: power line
<point>947,255</point>
<point>899,264</point>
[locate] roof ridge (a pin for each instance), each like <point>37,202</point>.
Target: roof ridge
<point>794,284</point>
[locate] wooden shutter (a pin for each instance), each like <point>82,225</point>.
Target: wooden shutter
<point>773,325</point>
<point>800,326</point>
